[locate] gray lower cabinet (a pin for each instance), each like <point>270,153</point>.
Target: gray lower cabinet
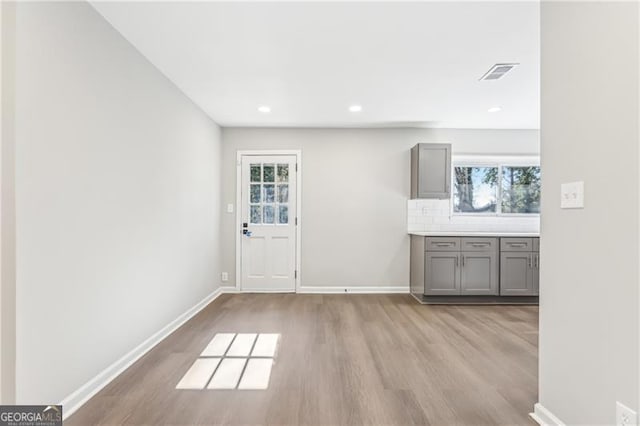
<point>441,273</point>
<point>479,273</point>
<point>536,273</point>
<point>475,266</point>
<point>448,271</point>
<point>519,267</point>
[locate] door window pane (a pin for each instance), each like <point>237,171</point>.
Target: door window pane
<point>475,189</point>
<point>520,189</point>
<point>283,214</point>
<point>283,173</point>
<point>269,214</point>
<point>268,174</point>
<point>255,173</point>
<point>283,193</point>
<point>269,193</point>
<point>255,194</point>
<point>255,214</point>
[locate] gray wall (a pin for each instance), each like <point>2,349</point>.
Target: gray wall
<point>117,186</point>
<point>355,187</point>
<point>589,274</point>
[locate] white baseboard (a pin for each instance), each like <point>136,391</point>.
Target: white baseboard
<point>358,290</point>
<point>545,417</point>
<point>76,399</point>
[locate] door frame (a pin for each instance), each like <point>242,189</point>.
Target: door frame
<point>248,153</point>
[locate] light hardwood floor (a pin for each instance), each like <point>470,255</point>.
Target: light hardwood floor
<point>342,360</point>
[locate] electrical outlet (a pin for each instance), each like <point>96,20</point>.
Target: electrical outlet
<point>625,416</point>
<point>225,276</point>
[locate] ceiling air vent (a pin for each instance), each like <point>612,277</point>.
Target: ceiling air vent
<point>498,71</point>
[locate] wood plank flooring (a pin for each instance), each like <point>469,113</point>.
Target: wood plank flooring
<point>342,360</point>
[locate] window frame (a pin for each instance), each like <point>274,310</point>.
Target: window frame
<point>491,161</point>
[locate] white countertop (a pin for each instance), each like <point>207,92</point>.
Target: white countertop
<point>474,234</point>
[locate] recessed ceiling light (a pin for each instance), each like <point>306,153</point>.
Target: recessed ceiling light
<point>494,109</point>
<point>355,108</point>
<point>264,109</point>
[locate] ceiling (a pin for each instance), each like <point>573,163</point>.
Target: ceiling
<point>406,64</point>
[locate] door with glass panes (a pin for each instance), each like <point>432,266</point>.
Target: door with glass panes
<point>268,223</point>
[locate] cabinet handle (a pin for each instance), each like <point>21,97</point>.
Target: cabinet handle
<point>517,244</point>
<point>456,261</point>
<point>463,260</point>
<point>530,261</point>
<point>443,244</point>
<point>537,261</point>
<point>479,244</point>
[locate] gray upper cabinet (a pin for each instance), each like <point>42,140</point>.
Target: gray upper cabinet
<point>479,273</point>
<point>442,276</point>
<point>431,171</point>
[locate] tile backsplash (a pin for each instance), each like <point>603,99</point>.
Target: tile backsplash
<point>436,216</point>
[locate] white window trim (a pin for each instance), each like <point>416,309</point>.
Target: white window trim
<point>498,161</point>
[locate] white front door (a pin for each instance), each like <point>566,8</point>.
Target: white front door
<point>268,224</point>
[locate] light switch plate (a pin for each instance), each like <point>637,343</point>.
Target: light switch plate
<point>572,195</point>
<point>625,416</point>
<point>229,208</point>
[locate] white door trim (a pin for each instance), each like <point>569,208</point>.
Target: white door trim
<point>239,155</point>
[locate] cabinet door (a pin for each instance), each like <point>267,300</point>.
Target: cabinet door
<point>441,273</point>
<point>536,274</point>
<point>433,171</point>
<point>479,273</point>
<point>516,274</point>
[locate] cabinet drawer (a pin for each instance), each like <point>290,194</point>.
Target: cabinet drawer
<point>479,244</point>
<point>442,244</point>
<point>536,244</point>
<point>516,244</point>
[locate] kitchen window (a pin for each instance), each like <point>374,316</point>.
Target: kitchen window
<point>475,189</point>
<point>497,189</point>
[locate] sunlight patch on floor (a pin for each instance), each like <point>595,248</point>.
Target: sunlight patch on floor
<point>233,361</point>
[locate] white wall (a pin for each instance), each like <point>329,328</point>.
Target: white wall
<point>589,271</point>
<point>355,187</point>
<point>117,186</point>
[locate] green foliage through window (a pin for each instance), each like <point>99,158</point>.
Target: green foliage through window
<point>496,189</point>
<point>521,190</point>
<point>475,190</point>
